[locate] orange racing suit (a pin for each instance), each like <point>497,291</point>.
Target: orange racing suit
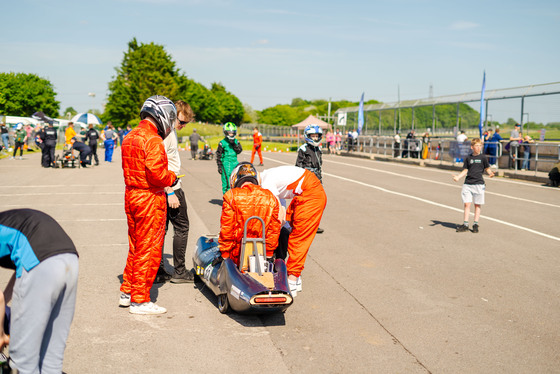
<point>305,210</point>
<point>257,146</point>
<point>241,203</point>
<point>144,164</point>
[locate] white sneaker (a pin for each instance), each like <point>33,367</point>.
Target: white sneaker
<point>21,158</point>
<point>146,308</point>
<point>293,287</point>
<point>124,300</point>
<point>299,284</point>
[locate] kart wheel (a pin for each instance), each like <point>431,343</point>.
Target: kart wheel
<point>223,303</point>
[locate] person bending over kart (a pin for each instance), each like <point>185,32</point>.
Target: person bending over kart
<point>246,199</point>
<point>226,154</point>
<point>84,149</point>
<point>304,213</point>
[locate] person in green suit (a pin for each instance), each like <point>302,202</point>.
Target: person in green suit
<point>226,154</point>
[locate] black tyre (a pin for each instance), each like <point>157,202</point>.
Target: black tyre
<point>223,303</point>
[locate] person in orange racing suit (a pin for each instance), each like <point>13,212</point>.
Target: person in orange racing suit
<point>247,198</point>
<point>304,213</point>
<point>257,143</point>
<point>144,164</point>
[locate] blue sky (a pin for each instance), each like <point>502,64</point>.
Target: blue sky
<point>268,52</point>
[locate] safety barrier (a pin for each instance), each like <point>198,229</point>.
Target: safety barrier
<point>542,155</point>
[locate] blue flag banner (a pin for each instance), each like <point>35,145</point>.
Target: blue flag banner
<point>361,115</point>
<point>482,106</point>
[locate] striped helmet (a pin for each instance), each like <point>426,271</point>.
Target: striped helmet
<point>163,111</point>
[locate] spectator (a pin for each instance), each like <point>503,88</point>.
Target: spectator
<point>338,136</point>
<point>493,146</point>
<point>109,139</point>
<point>69,134</point>
<point>410,145</point>
<point>245,199</point>
<point>461,138</point>
<point>176,203</point>
<point>487,137</point>
<point>194,138</point>
<point>303,215</point>
<point>145,172</point>
<point>44,287</point>
<point>554,175</point>
<point>20,138</point>
<point>515,139</point>
<point>397,145</point>
<point>121,135</point>
<point>527,152</point>
<point>473,189</point>
<point>257,143</point>
<point>355,140</point>
<point>426,145</point>
<point>349,141</point>
<point>5,136</point>
<point>128,129</point>
<point>29,136</point>
<point>92,136</point>
<point>331,142</point>
<point>226,154</point>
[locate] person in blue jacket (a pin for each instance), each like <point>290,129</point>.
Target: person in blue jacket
<point>42,289</point>
<point>85,151</point>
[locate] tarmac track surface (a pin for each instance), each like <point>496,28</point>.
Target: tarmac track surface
<point>390,287</point>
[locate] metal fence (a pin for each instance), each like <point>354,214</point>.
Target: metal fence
<point>541,156</point>
<point>527,104</point>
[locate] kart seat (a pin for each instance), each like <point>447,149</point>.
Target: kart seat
<point>252,247</point>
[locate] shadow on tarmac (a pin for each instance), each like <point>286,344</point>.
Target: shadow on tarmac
<point>216,202</point>
<point>449,225</point>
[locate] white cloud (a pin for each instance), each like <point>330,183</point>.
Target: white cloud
<point>463,25</point>
<point>261,42</point>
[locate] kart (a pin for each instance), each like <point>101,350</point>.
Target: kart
<point>205,153</point>
<point>254,287</point>
<point>68,160</point>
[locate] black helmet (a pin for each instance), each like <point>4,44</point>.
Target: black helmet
<point>244,172</point>
<point>163,111</point>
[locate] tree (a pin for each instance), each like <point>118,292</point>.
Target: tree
<point>281,115</point>
<point>232,108</point>
<point>70,110</point>
<point>24,94</point>
<point>202,101</point>
<point>146,70</point>
<point>250,116</point>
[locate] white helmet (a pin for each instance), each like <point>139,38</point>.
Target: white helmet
<point>19,126</point>
<point>163,111</point>
<point>313,129</point>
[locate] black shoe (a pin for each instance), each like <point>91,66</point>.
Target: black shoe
<point>475,228</point>
<point>320,230</point>
<point>162,277</point>
<point>261,164</point>
<point>462,228</point>
<point>186,277</point>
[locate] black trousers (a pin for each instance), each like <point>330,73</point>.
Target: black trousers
<point>93,154</point>
<point>180,221</point>
<point>20,146</point>
<point>48,155</point>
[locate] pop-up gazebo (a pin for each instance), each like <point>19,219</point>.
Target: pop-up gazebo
<point>311,120</point>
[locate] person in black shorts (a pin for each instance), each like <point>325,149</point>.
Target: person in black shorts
<point>473,190</point>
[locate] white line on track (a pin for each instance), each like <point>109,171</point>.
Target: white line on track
<point>61,193</point>
<point>65,186</point>
<point>432,203</point>
<point>442,183</point>
<point>436,170</point>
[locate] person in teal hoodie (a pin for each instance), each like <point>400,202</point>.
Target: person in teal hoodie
<point>226,154</point>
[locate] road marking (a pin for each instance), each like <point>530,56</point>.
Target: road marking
<point>436,170</point>
<point>434,203</point>
<point>62,193</point>
<point>65,204</point>
<point>443,183</point>
<point>65,186</point>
